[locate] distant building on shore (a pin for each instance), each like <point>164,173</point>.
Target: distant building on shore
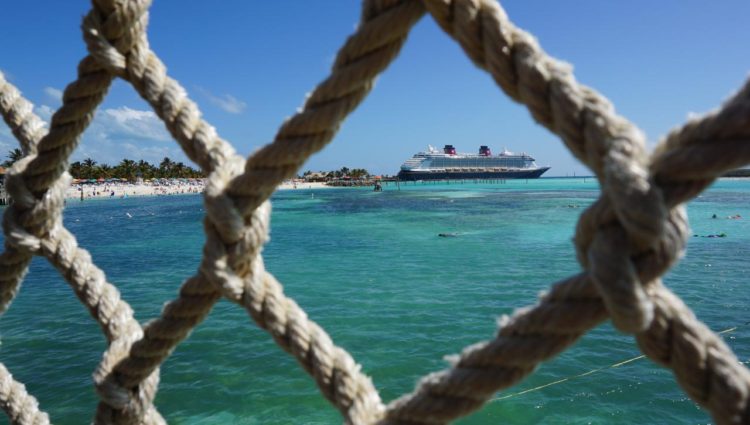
<point>319,176</point>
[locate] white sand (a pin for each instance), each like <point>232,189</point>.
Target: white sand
<point>303,185</point>
<point>122,190</point>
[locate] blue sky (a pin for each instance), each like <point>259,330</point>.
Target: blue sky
<point>249,64</point>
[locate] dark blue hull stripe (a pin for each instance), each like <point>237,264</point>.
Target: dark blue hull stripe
<point>474,175</point>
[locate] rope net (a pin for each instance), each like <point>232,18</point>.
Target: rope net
<point>624,242</point>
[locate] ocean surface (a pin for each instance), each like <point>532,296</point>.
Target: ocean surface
<point>371,269</point>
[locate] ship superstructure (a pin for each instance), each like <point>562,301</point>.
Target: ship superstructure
<point>436,165</point>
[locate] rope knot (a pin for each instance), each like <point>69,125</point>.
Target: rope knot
<point>121,404</point>
<point>629,220</point>
<point>112,29</point>
<point>233,243</point>
<point>629,238</point>
<point>31,219</point>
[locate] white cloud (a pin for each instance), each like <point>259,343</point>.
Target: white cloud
<point>150,153</point>
<point>114,134</point>
<point>54,94</point>
<point>44,112</point>
<point>119,123</point>
<point>126,123</point>
<point>123,132</point>
<point>227,102</point>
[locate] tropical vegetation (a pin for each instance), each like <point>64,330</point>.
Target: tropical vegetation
<point>167,168</point>
<point>125,169</point>
<point>13,156</point>
<point>132,170</point>
<point>355,173</point>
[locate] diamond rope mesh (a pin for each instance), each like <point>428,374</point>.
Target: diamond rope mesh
<point>625,241</point>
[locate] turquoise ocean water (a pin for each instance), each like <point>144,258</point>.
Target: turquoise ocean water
<point>370,268</point>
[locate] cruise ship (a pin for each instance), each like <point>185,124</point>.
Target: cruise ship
<point>436,165</point>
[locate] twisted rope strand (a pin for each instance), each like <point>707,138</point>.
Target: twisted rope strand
<point>21,407</point>
<point>198,294</point>
<point>38,184</point>
<point>163,334</point>
<point>441,392</point>
<point>334,370</point>
<point>703,365</point>
<point>720,138</point>
<point>139,65</point>
<point>28,129</point>
<point>624,241</point>
<point>80,98</point>
<point>126,22</point>
<point>587,123</point>
<point>18,114</point>
<point>376,43</point>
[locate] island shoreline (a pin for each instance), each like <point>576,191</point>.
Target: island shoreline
<point>123,190</point>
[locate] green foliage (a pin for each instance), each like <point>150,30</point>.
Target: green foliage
<point>132,170</point>
<point>13,156</point>
<point>355,173</point>
<point>359,173</point>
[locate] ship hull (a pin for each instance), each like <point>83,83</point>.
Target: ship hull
<point>404,175</point>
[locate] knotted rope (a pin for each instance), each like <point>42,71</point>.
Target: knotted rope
<point>625,241</point>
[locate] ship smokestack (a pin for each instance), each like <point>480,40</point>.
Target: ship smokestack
<point>485,151</point>
<point>449,150</point>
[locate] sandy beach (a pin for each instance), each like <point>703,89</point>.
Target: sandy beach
<point>117,190</point>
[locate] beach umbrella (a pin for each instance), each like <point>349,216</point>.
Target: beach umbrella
<point>100,179</point>
<point>91,180</point>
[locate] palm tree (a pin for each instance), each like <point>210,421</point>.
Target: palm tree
<point>126,169</point>
<point>146,170</point>
<point>359,173</point>
<point>103,171</point>
<point>165,167</point>
<point>76,170</point>
<point>88,165</point>
<point>179,170</point>
<point>13,156</point>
